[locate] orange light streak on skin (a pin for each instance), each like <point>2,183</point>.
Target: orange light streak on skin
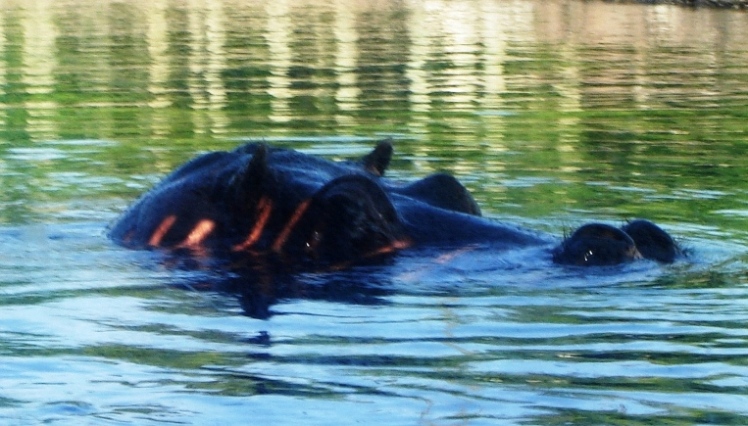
<point>283,236</point>
<point>390,248</point>
<point>198,234</point>
<point>264,208</point>
<point>161,230</point>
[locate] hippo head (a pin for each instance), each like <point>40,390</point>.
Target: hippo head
<point>257,200</point>
<point>598,244</point>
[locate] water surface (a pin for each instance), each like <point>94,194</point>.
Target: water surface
<point>553,113</point>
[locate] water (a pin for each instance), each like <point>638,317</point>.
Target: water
<point>552,113</point>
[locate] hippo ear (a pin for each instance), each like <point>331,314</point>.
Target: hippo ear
<point>378,159</point>
<point>258,166</point>
<point>244,185</point>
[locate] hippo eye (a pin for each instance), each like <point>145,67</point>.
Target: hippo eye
<point>313,241</point>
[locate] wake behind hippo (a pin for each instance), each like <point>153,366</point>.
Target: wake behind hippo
<point>258,202</point>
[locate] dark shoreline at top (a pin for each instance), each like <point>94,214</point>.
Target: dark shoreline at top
<point>721,4</point>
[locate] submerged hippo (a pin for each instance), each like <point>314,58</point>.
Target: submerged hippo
<point>258,201</point>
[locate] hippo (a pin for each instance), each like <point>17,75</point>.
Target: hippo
<point>263,202</point>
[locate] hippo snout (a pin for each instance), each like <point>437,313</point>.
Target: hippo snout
<point>598,244</point>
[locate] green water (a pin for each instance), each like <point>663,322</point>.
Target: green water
<point>552,113</point>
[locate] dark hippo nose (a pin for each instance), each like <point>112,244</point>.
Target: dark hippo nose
<point>596,244</point>
<point>651,241</point>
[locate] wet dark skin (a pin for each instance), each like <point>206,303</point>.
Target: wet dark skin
<point>258,201</point>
